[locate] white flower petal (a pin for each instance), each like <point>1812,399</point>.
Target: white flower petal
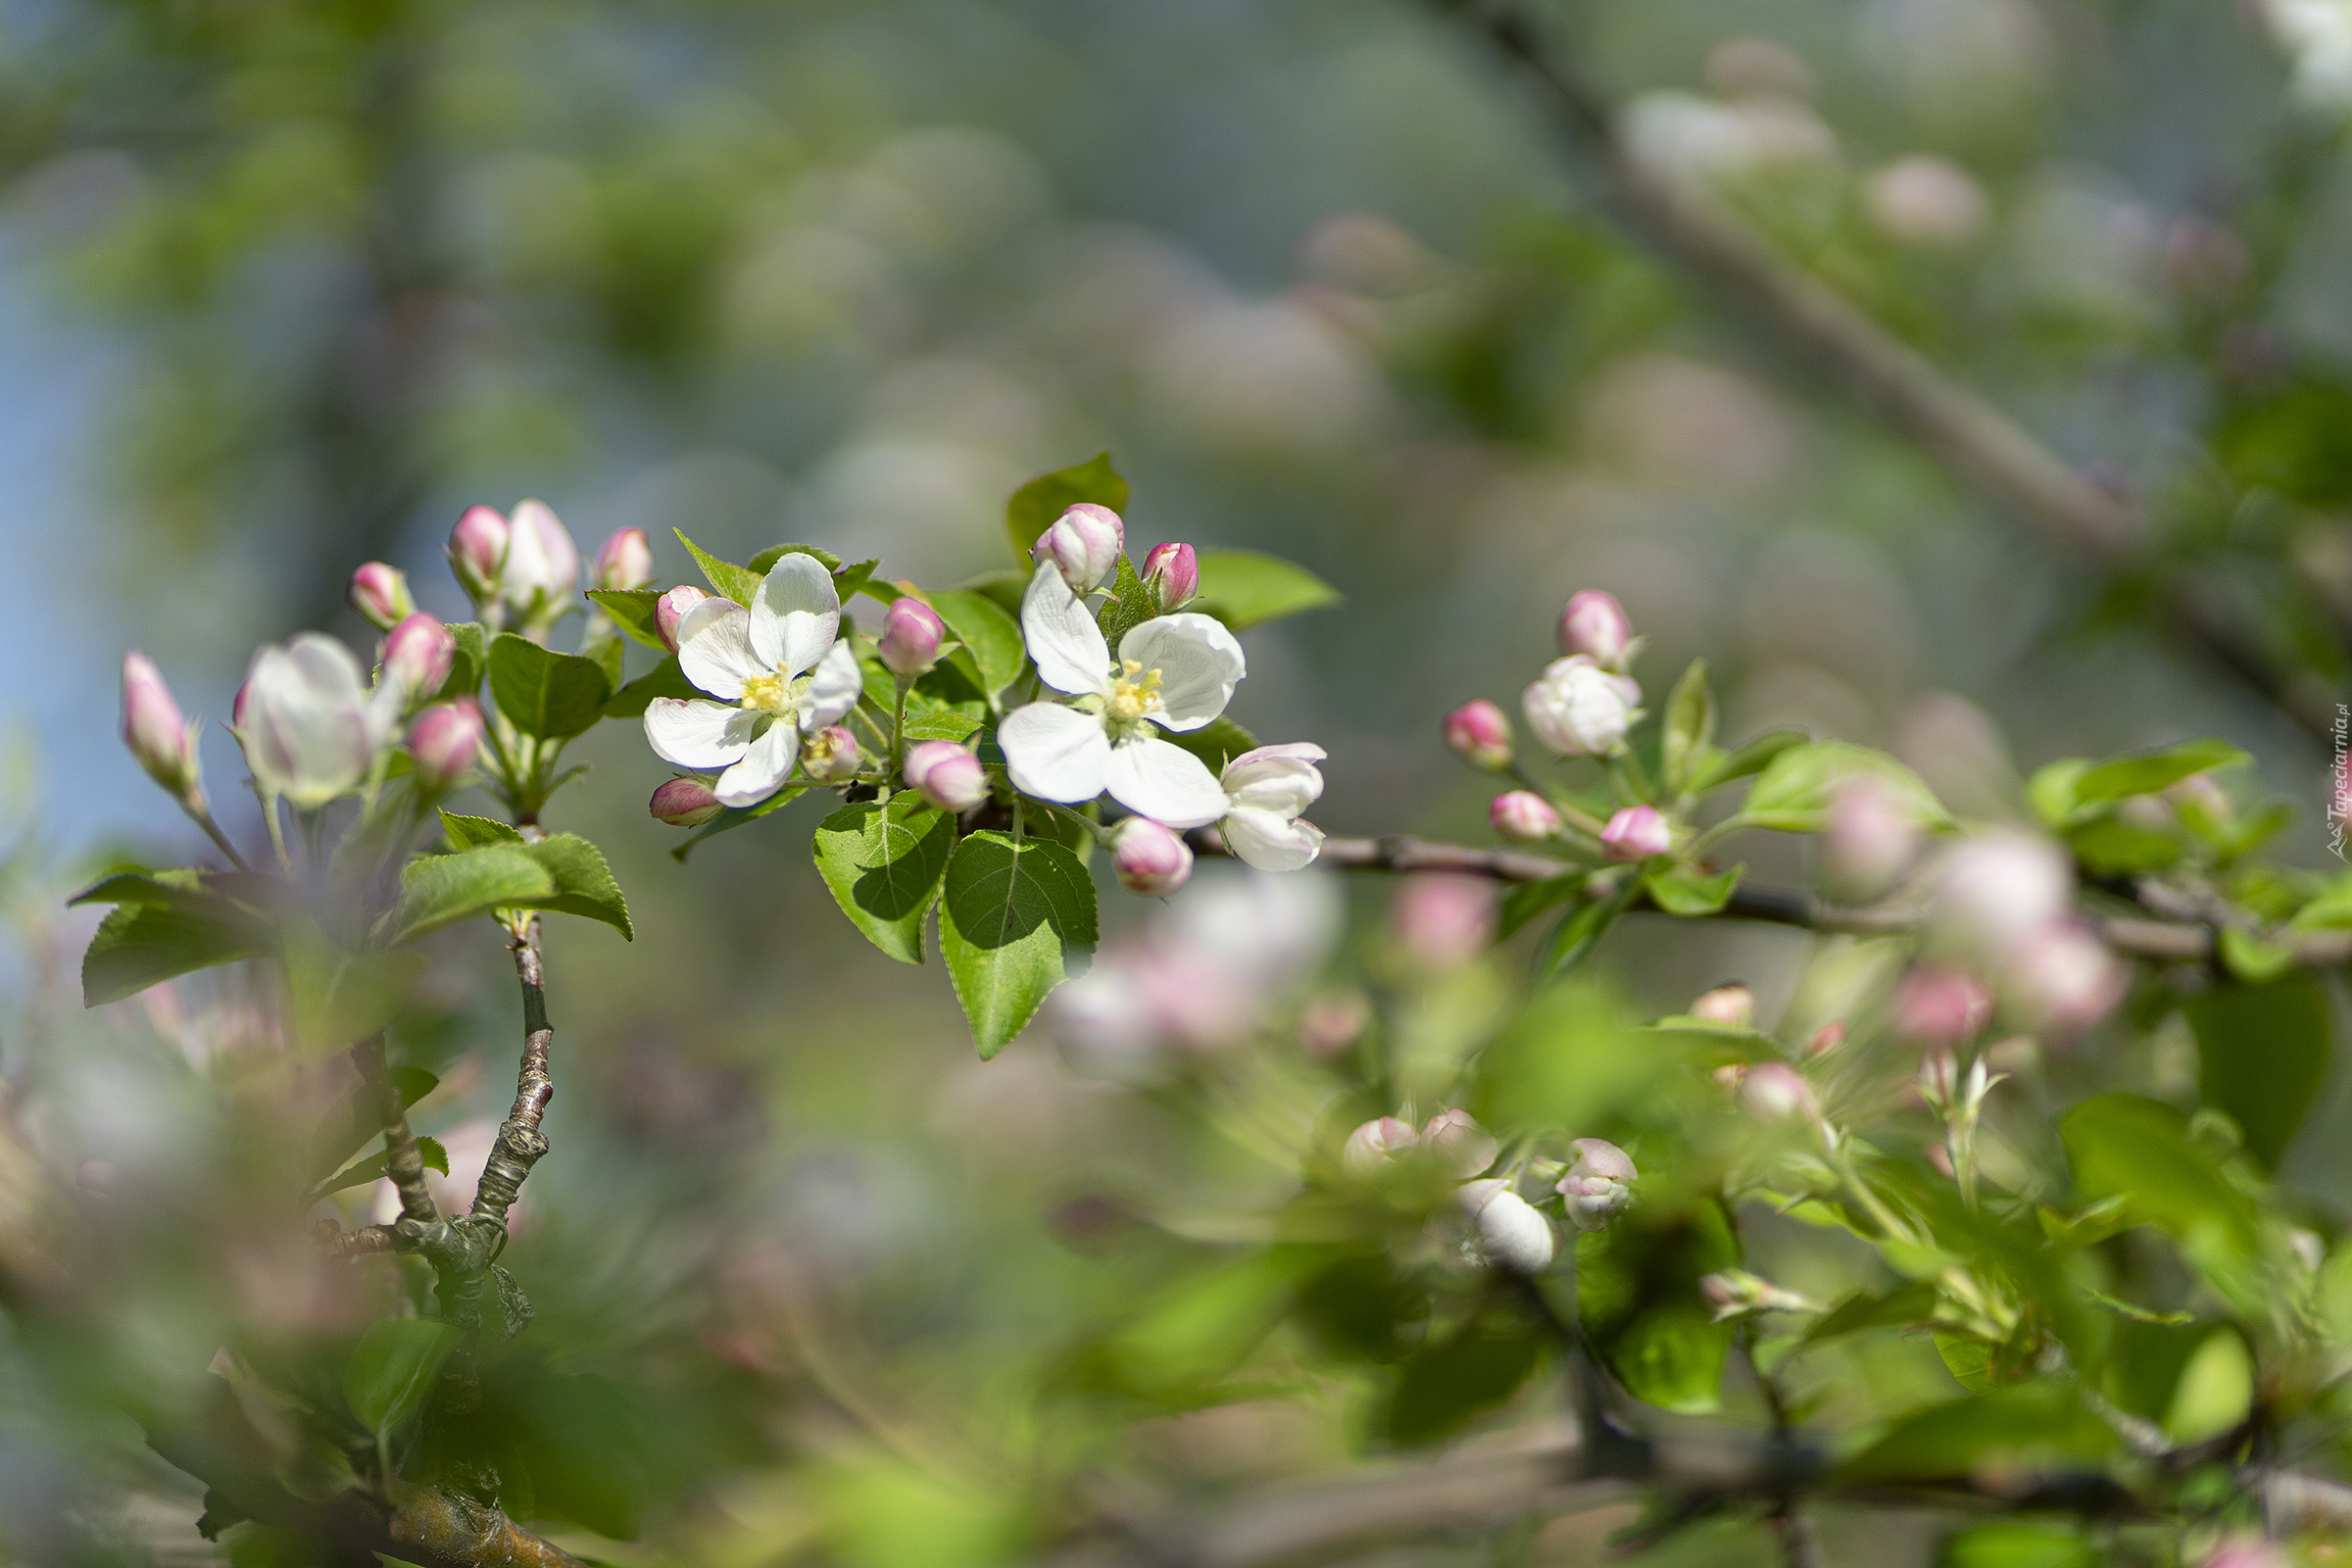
<point>1054,753</point>
<point>698,734</point>
<point>1269,841</point>
<point>715,648</point>
<point>796,615</point>
<point>763,768</point>
<point>1164,782</point>
<point>1068,646</point>
<point>1282,779</point>
<point>836,688</point>
<point>1198,665</point>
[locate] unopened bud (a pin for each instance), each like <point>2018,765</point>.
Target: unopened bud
<point>1596,625</point>
<point>1637,833</point>
<point>1938,1007</point>
<point>1826,1038</point>
<point>671,607</point>
<point>1084,545</point>
<point>2062,979</point>
<point>417,657</point>
<point>946,774</point>
<point>912,632</point>
<point>1374,1145</point>
<point>157,734</point>
<point>444,741</point>
<point>542,568</point>
<point>1599,1187</point>
<point>831,755</point>
<point>1442,921</point>
<point>626,561</point>
<point>1479,731</point>
<point>381,594</point>
<point>1579,708</point>
<point>1331,1021</point>
<point>1512,1232</point>
<point>1993,889</point>
<point>1152,859</point>
<point>1524,814</point>
<point>2248,1551</point>
<point>478,551</point>
<point>1174,573</point>
<point>1461,1148</point>
<point>1730,1006</point>
<point>1775,1092</point>
<point>1735,1292</point>
<point>684,803</point>
<point>1871,839</point>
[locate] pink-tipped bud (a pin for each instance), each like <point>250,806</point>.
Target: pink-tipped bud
<point>1637,833</point>
<point>1174,573</point>
<point>671,607</point>
<point>1084,544</point>
<point>478,551</point>
<point>1523,814</point>
<point>684,803</point>
<point>1331,1021</point>
<point>1479,733</point>
<point>946,774</point>
<point>381,594</point>
<point>157,734</point>
<point>1374,1145</point>
<point>1826,1038</point>
<point>417,657</point>
<point>1152,859</point>
<point>1775,1092</point>
<point>1938,1007</point>
<point>542,569</point>
<point>1461,1148</point>
<point>444,740</point>
<point>1871,840</point>
<point>1442,921</point>
<point>912,632</point>
<point>1729,1007</point>
<point>1595,624</point>
<point>831,755</point>
<point>2062,980</point>
<point>1599,1186</point>
<point>626,561</point>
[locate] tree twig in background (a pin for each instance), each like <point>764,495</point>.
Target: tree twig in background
<point>1961,428</point>
<point>404,1164</point>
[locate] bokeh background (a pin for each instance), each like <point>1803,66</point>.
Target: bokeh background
<point>283,287</point>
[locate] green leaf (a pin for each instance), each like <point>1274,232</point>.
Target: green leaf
<point>1242,588</point>
<point>2138,1148</point>
<point>2214,1391</point>
<point>1689,727</point>
<point>1793,792</point>
<point>1215,743</point>
<point>2145,772</point>
<point>355,1121</point>
<point>2015,1426</point>
<point>1637,1294</point>
<point>1575,938</point>
<point>1443,1387</point>
<point>885,864</point>
<point>762,563</point>
<point>635,611</point>
<point>726,580</point>
<point>1967,1358</point>
<point>1194,1333</point>
<point>392,1370</point>
<point>2014,1543</point>
<point>2263,1052</point>
<point>372,1168</point>
<point>664,679</point>
<point>1129,606</point>
<point>851,580</point>
<point>2051,790</point>
<point>1569,1058</point>
<point>583,882</point>
<point>1686,890</point>
<point>1753,758</point>
<point>468,666</point>
<point>2109,847</point>
<point>473,832</point>
<point>335,997</point>
<point>2252,960</point>
<point>437,891</point>
<point>1006,914</point>
<point>546,694</point>
<point>137,945</point>
<point>735,817</point>
<point>1002,589</point>
<point>1034,505</point>
<point>993,636</point>
<point>1527,899</point>
<point>1905,1305</point>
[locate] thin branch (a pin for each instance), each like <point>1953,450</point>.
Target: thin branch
<point>1961,428</point>
<point>520,1143</point>
<point>403,1163</point>
<point>364,1241</point>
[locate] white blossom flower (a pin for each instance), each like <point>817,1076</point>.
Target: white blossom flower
<point>308,727</point>
<point>1176,672</point>
<point>1265,790</point>
<point>778,671</point>
<point>1579,709</point>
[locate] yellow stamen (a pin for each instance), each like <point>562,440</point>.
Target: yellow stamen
<point>768,694</point>
<point>1130,698</point>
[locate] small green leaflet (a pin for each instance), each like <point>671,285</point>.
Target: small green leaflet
<point>473,832</point>
<point>1794,791</point>
<point>1129,606</point>
<point>1032,509</point>
<point>473,657</point>
<point>726,580</point>
<point>993,636</point>
<point>1689,728</point>
<point>633,611</point>
<point>885,864</point>
<point>1005,916</point>
<point>584,884</point>
<point>767,557</point>
<point>354,1121</point>
<point>548,695</point>
<point>392,1370</point>
<point>1688,891</point>
<point>369,1169</point>
<point>1242,588</point>
<point>2145,772</point>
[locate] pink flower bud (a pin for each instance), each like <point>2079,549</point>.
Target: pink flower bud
<point>1635,834</point>
<point>831,755</point>
<point>912,632</point>
<point>671,607</point>
<point>477,550</point>
<point>1523,814</point>
<point>1374,1145</point>
<point>157,734</point>
<point>2248,1551</point>
<point>444,740</point>
<point>1085,544</point>
<point>1730,1006</point>
<point>381,594</point>
<point>1775,1092</point>
<point>1152,859</point>
<point>1594,625</point>
<point>626,561</point>
<point>417,655</point>
<point>684,803</point>
<point>1826,1038</point>
<point>542,568</point>
<point>946,774</point>
<point>1479,732</point>
<point>1938,1007</point>
<point>1871,839</point>
<point>1994,889</point>
<point>1461,1148</point>
<point>1174,573</point>
<point>2062,980</point>
<point>1599,1187</point>
<point>1442,921</point>
<point>1331,1021</point>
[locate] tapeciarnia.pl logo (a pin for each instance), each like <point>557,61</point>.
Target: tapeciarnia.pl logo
<point>2339,795</point>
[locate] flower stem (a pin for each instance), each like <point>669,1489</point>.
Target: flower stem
<point>278,833</point>
<point>202,814</point>
<point>898,725</point>
<point>1570,813</point>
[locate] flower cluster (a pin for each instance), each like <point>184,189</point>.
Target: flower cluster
<point>1512,1233</point>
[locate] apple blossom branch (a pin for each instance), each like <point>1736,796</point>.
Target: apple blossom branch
<point>1961,428</point>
